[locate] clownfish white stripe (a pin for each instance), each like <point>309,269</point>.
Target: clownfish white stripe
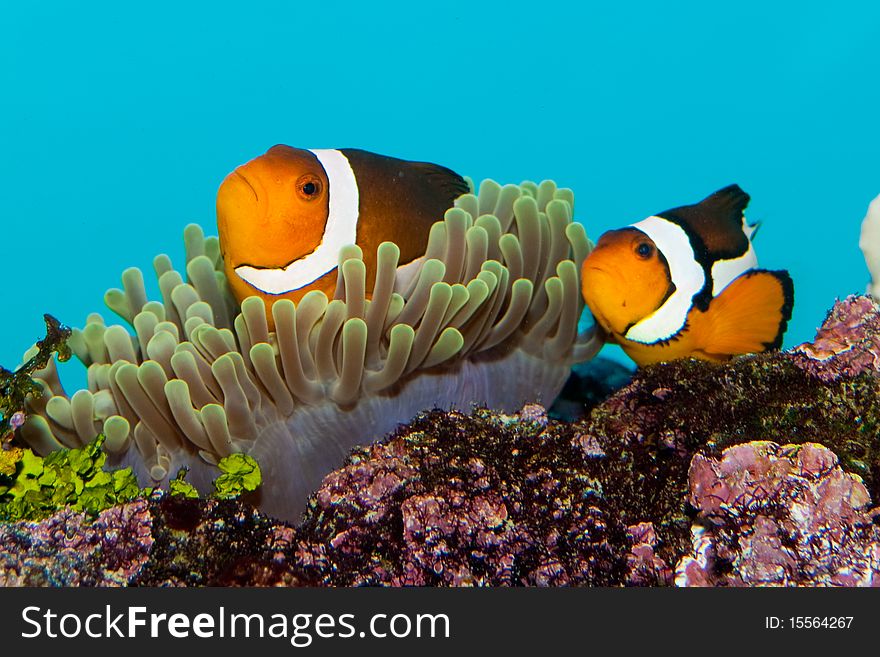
<point>340,231</point>
<point>406,275</point>
<point>686,273</point>
<point>724,272</point>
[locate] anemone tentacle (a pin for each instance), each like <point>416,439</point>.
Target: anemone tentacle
<point>489,316</point>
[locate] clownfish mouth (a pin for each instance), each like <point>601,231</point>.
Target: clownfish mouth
<point>602,278</point>
<point>604,274</point>
<point>247,182</point>
<point>603,321</point>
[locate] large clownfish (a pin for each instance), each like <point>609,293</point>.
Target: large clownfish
<point>284,215</point>
<point>685,283</point>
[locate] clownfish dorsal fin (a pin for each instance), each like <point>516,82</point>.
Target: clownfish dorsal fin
<point>749,316</point>
<point>717,223</point>
<point>442,178</point>
<point>431,179</point>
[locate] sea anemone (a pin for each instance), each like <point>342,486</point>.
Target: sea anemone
<point>490,318</point>
<point>869,243</point>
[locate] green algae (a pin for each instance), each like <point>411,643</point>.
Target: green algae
<point>33,487</point>
<point>179,487</point>
<point>241,475</point>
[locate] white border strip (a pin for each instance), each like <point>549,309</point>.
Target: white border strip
<point>340,230</point>
<point>686,273</point>
<point>724,272</point>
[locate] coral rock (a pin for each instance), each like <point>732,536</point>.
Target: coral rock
<point>847,343</point>
<point>779,515</point>
<point>456,500</point>
<point>69,549</point>
<point>645,567</point>
<point>223,543</point>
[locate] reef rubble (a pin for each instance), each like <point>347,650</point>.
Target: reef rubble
<point>761,471</point>
<point>779,515</point>
<point>71,549</point>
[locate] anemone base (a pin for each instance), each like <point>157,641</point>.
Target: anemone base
<point>296,452</point>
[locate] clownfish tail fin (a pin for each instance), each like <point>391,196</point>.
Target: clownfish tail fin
<point>751,314</point>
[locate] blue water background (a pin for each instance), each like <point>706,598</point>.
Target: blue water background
<point>118,124</point>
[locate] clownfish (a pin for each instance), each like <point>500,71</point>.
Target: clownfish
<point>283,216</point>
<point>685,283</point>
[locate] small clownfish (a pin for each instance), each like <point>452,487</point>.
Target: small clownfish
<point>283,216</point>
<point>684,283</point>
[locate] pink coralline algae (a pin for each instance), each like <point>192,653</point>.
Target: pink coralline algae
<point>477,500</point>
<point>17,420</point>
<point>847,343</point>
<point>772,515</point>
<point>70,549</point>
<point>645,567</point>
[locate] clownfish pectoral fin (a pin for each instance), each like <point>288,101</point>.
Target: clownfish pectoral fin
<point>750,315</point>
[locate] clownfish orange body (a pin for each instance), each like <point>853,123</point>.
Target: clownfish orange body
<point>283,216</point>
<point>685,283</point>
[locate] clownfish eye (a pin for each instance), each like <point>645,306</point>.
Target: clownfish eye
<point>308,187</point>
<point>644,250</point>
